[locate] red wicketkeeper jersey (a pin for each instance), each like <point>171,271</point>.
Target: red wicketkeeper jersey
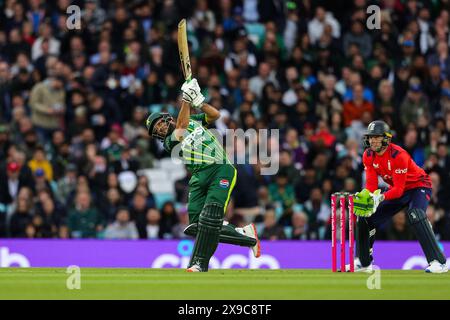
<point>397,169</point>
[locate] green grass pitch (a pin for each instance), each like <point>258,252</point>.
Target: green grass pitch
<point>177,284</point>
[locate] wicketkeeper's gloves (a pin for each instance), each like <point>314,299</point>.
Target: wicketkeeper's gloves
<point>365,203</point>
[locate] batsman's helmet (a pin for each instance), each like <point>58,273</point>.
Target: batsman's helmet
<point>378,128</point>
<point>154,118</point>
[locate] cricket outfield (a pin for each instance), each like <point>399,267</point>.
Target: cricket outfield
<point>220,284</point>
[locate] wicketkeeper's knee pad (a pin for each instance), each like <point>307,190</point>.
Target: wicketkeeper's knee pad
<point>415,215</point>
<point>417,218</point>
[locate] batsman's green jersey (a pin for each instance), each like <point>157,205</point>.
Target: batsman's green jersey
<point>213,175</point>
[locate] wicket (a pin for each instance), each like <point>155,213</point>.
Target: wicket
<point>343,197</point>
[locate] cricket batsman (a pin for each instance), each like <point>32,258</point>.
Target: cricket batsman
<point>410,189</point>
<point>213,176</point>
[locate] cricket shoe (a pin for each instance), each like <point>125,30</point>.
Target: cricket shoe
<point>194,268</point>
<point>436,267</point>
<point>250,231</point>
<point>359,267</point>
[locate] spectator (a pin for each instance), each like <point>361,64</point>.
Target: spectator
<point>152,228</point>
<point>282,191</point>
<point>288,169</point>
<point>265,75</point>
<point>113,145</point>
<point>133,129</point>
<point>317,25</point>
<point>144,157</point>
<point>299,226</point>
<point>20,218</point>
<point>245,192</point>
<point>143,187</point>
<point>183,222</point>
<point>169,219</point>
<point>138,213</point>
<point>414,104</point>
<point>441,58</point>
<point>84,221</point>
<point>414,149</point>
<point>113,203</point>
<point>5,98</point>
<point>357,36</point>
<point>443,156</point>
<point>272,230</point>
<point>11,182</point>
<point>45,33</point>
<point>67,184</point>
<point>122,227</point>
<point>93,15</point>
<point>322,138</point>
<point>306,183</point>
<point>126,162</point>
<point>49,216</point>
<point>47,102</point>
<point>354,109</point>
<point>399,229</point>
<point>318,212</point>
<point>298,149</point>
<point>439,221</point>
<point>39,161</point>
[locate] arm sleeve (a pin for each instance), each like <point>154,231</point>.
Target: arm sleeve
<point>371,175</point>
<point>398,177</point>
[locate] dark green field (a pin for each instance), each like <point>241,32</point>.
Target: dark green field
<point>50,283</point>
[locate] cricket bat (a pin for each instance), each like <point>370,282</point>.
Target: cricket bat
<point>183,49</point>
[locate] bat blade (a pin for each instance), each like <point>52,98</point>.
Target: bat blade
<point>183,50</point>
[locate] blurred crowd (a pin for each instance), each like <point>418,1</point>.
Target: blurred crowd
<point>73,103</point>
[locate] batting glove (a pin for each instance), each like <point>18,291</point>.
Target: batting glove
<point>192,94</point>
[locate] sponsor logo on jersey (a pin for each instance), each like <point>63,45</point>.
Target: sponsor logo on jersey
<point>389,165</point>
<point>224,183</point>
<point>376,165</point>
<point>401,171</point>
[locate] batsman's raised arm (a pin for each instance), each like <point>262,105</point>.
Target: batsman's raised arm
<point>192,94</point>
<point>182,120</point>
<point>212,114</point>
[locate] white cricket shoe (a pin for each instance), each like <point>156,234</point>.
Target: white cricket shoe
<point>194,268</point>
<point>359,267</point>
<point>250,231</point>
<point>436,267</point>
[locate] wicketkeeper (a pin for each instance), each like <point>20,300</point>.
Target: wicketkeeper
<point>410,189</point>
<point>213,176</point>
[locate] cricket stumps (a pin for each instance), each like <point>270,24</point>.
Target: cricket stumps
<point>345,201</point>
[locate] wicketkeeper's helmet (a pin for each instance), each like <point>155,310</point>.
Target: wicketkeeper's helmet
<point>154,118</point>
<point>378,128</point>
